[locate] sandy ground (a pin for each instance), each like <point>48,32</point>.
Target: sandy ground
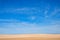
<point>31,37</point>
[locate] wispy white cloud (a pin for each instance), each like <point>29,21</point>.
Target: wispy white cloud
<point>46,11</point>
<point>56,10</point>
<point>20,10</point>
<point>26,10</point>
<point>24,27</point>
<point>9,21</point>
<point>32,17</point>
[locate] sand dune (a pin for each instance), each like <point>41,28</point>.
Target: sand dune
<point>31,37</point>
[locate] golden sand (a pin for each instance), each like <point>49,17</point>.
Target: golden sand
<point>31,37</point>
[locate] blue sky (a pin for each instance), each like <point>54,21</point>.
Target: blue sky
<point>29,16</point>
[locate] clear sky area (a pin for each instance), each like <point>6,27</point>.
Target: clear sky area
<point>29,16</point>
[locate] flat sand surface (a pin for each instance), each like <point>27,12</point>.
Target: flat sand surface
<point>31,37</point>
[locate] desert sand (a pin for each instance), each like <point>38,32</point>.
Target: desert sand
<point>30,37</point>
